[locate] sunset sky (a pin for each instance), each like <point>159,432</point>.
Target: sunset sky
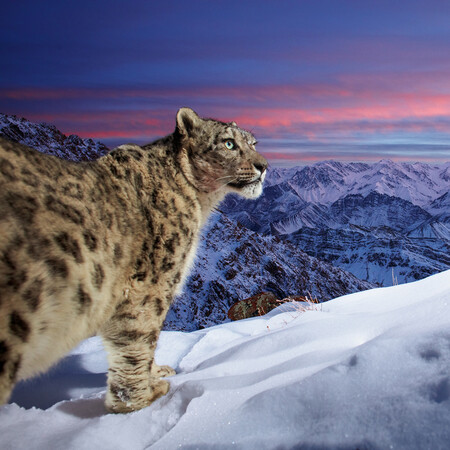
<point>314,80</point>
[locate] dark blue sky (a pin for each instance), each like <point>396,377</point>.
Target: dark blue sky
<point>349,80</point>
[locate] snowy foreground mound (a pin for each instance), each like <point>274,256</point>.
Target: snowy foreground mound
<point>368,370</point>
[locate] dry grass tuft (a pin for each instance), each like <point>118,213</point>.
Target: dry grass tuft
<point>302,303</point>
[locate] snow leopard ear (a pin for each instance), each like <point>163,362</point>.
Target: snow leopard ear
<point>187,121</point>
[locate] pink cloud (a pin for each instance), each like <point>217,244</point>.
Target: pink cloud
<point>353,108</point>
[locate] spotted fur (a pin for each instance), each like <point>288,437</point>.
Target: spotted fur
<point>103,247</point>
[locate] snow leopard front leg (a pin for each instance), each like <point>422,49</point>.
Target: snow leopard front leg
<point>161,371</point>
<point>130,339</point>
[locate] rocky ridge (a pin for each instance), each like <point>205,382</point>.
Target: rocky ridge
<point>234,263</point>
<point>48,139</point>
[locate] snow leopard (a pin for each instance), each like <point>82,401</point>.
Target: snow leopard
<point>102,247</point>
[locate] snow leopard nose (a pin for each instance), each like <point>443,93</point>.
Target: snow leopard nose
<point>261,166</point>
<point>259,163</point>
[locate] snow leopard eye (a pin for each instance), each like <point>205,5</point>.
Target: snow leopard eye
<point>229,144</point>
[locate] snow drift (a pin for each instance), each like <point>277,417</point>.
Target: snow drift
<point>367,370</point>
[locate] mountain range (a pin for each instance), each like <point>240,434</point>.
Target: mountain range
<point>380,221</point>
<point>48,139</point>
<point>323,230</point>
<point>234,263</point>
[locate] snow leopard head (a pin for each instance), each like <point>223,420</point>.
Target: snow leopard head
<point>221,155</point>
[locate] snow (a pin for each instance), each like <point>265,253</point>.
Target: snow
<point>48,139</point>
<point>327,181</point>
<point>367,370</point>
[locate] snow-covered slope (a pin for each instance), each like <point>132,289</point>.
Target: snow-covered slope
<point>368,370</point>
<point>376,254</point>
<point>234,263</point>
<point>48,139</point>
<point>373,210</point>
<point>328,181</point>
<point>440,207</point>
<point>369,219</point>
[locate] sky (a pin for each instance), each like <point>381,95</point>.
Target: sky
<point>348,80</point>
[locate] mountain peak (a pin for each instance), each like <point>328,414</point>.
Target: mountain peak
<point>48,139</point>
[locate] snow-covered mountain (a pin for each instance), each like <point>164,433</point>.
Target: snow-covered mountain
<point>280,210</point>
<point>372,220</point>
<point>234,263</point>
<point>328,181</point>
<point>379,254</point>
<point>441,206</point>
<point>48,139</point>
<point>364,371</point>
